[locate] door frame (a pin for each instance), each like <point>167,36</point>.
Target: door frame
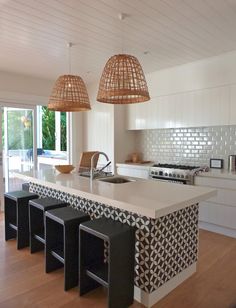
<point>18,106</point>
<point>1,164</point>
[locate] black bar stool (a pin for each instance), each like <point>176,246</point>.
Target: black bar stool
<point>37,209</point>
<point>17,216</point>
<point>61,242</point>
<point>117,274</point>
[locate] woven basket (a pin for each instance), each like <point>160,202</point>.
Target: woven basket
<point>69,94</point>
<point>123,81</point>
<point>64,168</point>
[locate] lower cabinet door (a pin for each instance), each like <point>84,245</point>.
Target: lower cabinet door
<point>138,173</point>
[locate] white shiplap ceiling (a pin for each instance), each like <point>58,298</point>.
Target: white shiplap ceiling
<point>161,33</point>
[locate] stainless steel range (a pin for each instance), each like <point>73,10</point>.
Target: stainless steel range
<point>181,174</point>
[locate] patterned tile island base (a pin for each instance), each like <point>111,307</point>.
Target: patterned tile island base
<point>165,246</point>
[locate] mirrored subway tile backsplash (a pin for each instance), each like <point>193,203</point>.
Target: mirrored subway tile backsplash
<point>187,145</point>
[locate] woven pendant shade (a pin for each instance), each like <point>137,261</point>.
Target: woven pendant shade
<point>69,94</point>
<point>123,81</point>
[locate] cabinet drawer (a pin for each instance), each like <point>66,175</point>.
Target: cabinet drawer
<point>215,182</point>
<point>138,173</point>
<point>224,196</point>
<point>218,214</point>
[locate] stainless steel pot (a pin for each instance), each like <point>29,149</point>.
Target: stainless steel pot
<point>232,163</point>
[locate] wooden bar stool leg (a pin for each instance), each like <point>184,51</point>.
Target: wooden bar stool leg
<point>10,210</point>
<point>22,225</point>
<point>120,291</point>
<point>117,274</point>
<point>51,235</point>
<point>36,220</point>
<point>90,251</point>
<point>70,251</point>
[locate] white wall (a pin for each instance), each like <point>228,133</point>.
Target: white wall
<point>18,88</point>
<point>104,126</point>
<point>124,140</point>
<point>104,129</point>
<point>99,125</point>
<point>77,137</point>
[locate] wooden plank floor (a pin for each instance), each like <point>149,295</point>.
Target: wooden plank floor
<point>23,282</point>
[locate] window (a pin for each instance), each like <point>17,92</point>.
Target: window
<point>51,137</point>
<point>48,129</point>
<point>54,130</point>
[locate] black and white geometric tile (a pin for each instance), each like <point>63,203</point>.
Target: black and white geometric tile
<point>164,247</point>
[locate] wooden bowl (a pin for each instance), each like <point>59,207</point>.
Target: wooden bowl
<point>64,168</point>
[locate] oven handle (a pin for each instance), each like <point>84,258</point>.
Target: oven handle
<point>153,177</point>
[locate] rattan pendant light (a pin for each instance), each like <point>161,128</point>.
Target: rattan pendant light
<point>123,81</point>
<point>69,93</point>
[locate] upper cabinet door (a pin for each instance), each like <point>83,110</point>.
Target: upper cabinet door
<point>131,116</point>
<point>214,106</point>
<point>232,118</point>
<point>207,107</point>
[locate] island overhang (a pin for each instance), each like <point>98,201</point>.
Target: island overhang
<point>144,197</point>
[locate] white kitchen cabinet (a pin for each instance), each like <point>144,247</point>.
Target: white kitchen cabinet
<point>157,113</point>
<point>233,105</point>
<point>137,116</point>
<point>218,214</point>
<point>207,107</point>
<point>137,171</point>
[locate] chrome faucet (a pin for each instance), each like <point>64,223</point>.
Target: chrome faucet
<point>92,163</point>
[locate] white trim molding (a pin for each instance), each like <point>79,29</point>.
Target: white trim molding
<point>150,299</point>
<point>20,98</point>
<point>217,229</point>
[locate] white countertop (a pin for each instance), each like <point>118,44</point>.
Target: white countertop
<point>219,173</point>
<point>145,197</point>
<point>213,173</point>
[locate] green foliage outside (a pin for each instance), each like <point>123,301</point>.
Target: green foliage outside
<point>2,132</point>
<point>63,131</point>
<point>48,128</point>
<point>20,130</point>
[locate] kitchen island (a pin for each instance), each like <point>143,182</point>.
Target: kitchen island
<point>165,216</point>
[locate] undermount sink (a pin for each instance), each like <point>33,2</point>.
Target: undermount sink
<point>116,180</point>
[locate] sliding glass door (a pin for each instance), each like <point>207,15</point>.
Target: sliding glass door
<point>30,137</point>
<point>17,145</point>
<point>1,163</point>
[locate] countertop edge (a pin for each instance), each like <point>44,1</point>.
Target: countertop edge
<point>151,212</point>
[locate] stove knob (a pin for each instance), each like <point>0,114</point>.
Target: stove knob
<point>182,176</point>
<point>178,175</point>
<point>174,175</point>
<point>186,176</point>
<point>166,174</point>
<point>152,172</point>
<point>170,174</point>
<point>156,173</point>
<point>161,173</point>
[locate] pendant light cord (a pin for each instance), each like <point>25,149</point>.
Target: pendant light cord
<point>121,18</point>
<point>69,57</point>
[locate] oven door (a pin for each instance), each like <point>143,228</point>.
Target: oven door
<point>170,180</point>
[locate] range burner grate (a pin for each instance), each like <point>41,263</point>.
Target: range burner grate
<point>176,166</point>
